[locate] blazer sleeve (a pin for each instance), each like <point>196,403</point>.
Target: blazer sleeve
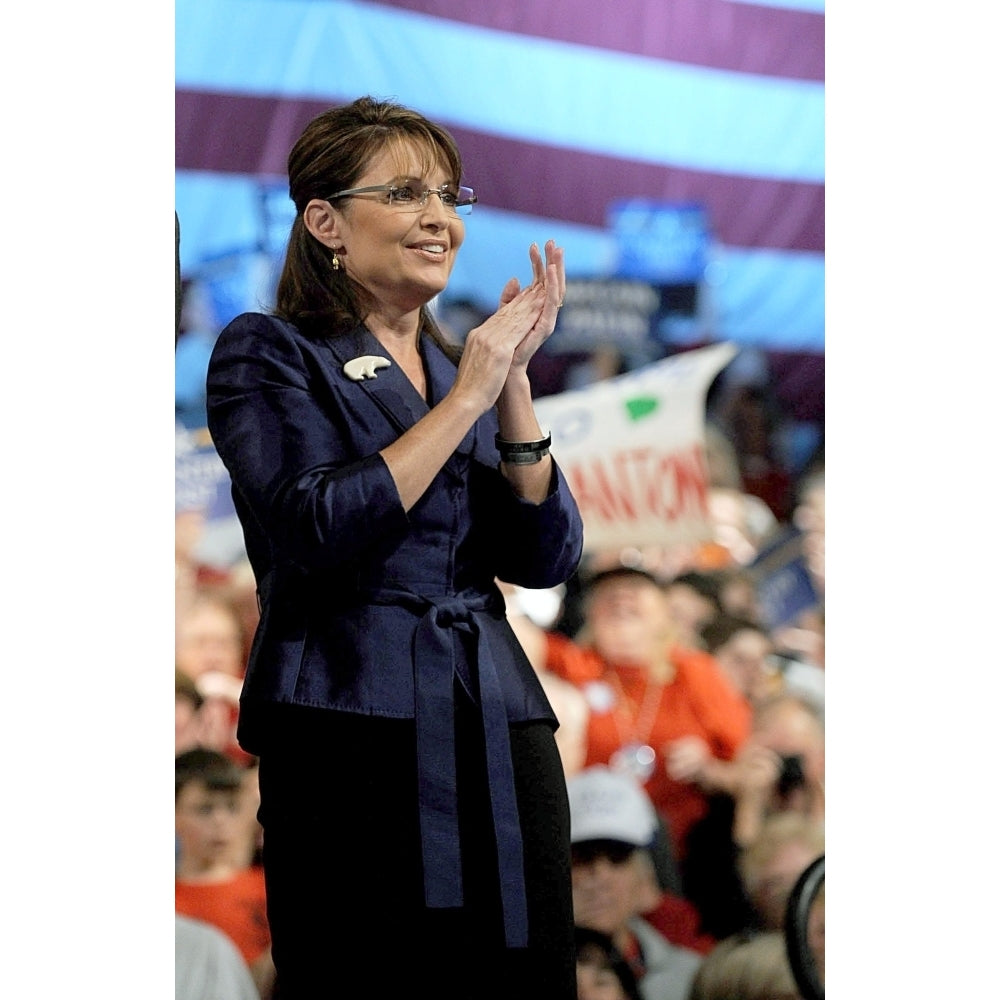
<point>303,473</point>
<point>534,545</point>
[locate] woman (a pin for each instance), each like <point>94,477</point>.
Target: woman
<point>412,796</point>
<point>658,710</point>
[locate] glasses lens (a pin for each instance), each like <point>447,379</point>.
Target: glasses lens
<point>466,199</point>
<point>412,197</point>
<point>408,196</point>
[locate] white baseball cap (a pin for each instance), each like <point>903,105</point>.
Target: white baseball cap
<point>609,805</point>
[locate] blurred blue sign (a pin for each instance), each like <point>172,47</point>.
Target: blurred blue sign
<point>784,585</point>
<point>660,241</point>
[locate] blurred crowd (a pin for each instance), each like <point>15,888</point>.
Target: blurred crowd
<point>691,729</point>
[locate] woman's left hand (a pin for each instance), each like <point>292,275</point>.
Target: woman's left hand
<point>551,274</point>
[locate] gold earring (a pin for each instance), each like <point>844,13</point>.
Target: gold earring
<point>336,262</point>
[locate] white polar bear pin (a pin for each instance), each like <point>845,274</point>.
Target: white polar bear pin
<point>365,367</point>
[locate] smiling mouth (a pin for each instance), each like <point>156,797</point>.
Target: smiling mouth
<point>435,249</point>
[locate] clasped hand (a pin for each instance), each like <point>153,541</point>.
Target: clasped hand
<point>504,343</point>
<point>551,278</point>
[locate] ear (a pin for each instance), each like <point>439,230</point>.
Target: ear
<point>323,222</point>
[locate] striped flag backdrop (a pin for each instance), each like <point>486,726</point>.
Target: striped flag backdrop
<point>560,107</point>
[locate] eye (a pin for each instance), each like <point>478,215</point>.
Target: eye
<point>449,197</point>
<point>405,194</point>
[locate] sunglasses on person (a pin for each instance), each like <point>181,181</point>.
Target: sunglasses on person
<point>586,852</point>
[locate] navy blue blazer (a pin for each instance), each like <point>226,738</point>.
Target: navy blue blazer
<point>365,607</point>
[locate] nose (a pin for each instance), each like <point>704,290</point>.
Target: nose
<point>435,210</point>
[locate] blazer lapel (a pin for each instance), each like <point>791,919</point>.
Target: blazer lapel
<point>390,389</point>
<point>393,392</point>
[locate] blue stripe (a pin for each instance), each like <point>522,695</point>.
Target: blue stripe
<point>771,299</point>
<point>809,6</point>
<point>762,298</point>
<point>564,95</point>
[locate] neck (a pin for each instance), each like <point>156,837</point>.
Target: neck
<point>214,871</point>
<point>403,346</point>
<point>398,332</point>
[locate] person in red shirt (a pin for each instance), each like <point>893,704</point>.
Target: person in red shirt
<point>658,710</point>
<point>210,883</point>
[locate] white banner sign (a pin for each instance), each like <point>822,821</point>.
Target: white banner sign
<point>633,451</point>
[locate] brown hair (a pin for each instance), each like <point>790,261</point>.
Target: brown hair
<point>212,768</point>
<point>331,155</point>
<point>596,949</point>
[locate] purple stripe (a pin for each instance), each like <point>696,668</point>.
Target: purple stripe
<point>715,33</point>
<point>232,133</point>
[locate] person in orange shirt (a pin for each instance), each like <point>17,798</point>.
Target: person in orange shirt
<point>658,710</point>
<point>210,883</point>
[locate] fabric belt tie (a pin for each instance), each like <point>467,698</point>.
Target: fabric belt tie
<point>435,671</point>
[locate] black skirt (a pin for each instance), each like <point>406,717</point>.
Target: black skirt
<point>344,875</point>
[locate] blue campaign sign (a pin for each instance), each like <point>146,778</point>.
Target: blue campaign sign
<point>199,475</point>
<point>660,241</point>
<point>784,585</point>
<point>603,311</point>
<point>202,484</point>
